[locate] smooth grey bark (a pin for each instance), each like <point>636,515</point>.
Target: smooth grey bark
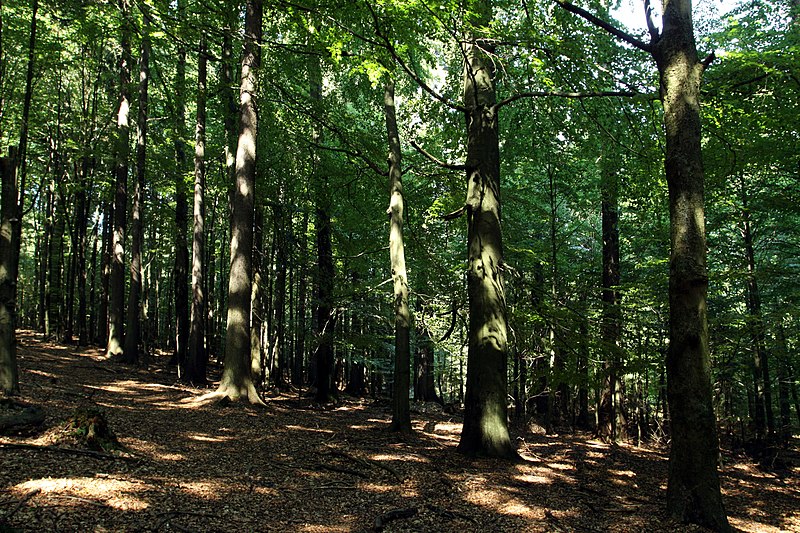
<point>133,334</point>
<point>485,430</point>
<point>401,413</point>
<point>116,298</point>
<point>237,382</point>
<point>198,357</point>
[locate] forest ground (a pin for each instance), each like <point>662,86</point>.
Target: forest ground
<point>297,466</point>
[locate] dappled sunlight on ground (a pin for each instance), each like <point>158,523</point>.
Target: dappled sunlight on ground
<point>114,493</point>
<point>297,466</point>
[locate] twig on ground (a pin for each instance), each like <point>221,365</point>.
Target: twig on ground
<point>71,451</point>
<point>27,496</point>
<point>394,514</point>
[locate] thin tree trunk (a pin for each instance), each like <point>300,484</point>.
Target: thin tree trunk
<point>181,286</point>
<point>612,420</point>
<point>257,366</point>
<point>198,357</point>
<point>133,335</point>
<point>401,415</point>
<point>300,331</point>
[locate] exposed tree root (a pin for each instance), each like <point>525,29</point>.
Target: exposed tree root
<point>226,394</point>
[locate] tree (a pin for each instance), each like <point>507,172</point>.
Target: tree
<point>198,357</point>
<point>116,298</point>
<point>237,381</point>
<point>693,492</point>
<point>485,429</point>
<point>133,335</point>
<point>401,417</point>
<point>9,374</point>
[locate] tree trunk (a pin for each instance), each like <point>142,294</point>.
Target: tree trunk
<point>116,299</point>
<point>198,357</point>
<point>237,382</point>
<point>9,373</point>
<point>325,316</point>
<point>300,330</point>
<point>279,306</point>
<point>22,152</point>
<point>485,430</point>
<point>105,273</point>
<point>133,335</point>
<point>765,425</point>
<point>257,365</point>
<point>401,415</point>
<point>612,421</point>
<point>181,286</point>
<point>693,491</point>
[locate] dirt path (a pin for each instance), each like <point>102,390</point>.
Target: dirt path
<point>294,466</point>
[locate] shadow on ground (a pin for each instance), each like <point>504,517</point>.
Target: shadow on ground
<point>296,466</point>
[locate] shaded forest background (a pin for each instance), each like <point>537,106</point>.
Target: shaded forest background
<point>585,212</point>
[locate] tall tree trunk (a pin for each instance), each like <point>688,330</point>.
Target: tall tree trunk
<point>198,357</point>
<point>81,244</point>
<point>612,421</point>
<point>279,306</point>
<point>116,303</point>
<point>325,315</point>
<point>485,430</point>
<point>237,382</point>
<point>300,330</point>
<point>9,373</point>
<point>401,415</point>
<point>761,375</point>
<point>22,153</point>
<point>258,367</point>
<point>105,273</point>
<point>693,491</point>
<point>133,335</point>
<point>181,286</point>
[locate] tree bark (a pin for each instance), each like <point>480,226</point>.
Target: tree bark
<point>401,414</point>
<point>612,421</point>
<point>181,286</point>
<point>133,335</point>
<point>198,357</point>
<point>237,382</point>
<point>116,303</point>
<point>9,372</point>
<point>325,315</point>
<point>693,491</point>
<point>485,430</point>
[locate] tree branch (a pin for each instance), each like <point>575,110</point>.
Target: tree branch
<point>600,23</point>
<point>433,159</point>
<point>561,94</point>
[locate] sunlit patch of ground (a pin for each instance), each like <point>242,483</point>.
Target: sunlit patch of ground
<point>115,493</point>
<point>297,466</point>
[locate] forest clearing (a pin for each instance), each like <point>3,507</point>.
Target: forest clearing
<point>297,466</point>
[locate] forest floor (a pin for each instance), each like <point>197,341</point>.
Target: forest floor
<point>297,466</point>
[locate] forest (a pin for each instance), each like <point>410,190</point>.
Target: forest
<point>402,265</point>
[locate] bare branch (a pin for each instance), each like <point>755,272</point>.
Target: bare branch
<point>433,159</point>
<point>561,94</point>
<point>600,23</point>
